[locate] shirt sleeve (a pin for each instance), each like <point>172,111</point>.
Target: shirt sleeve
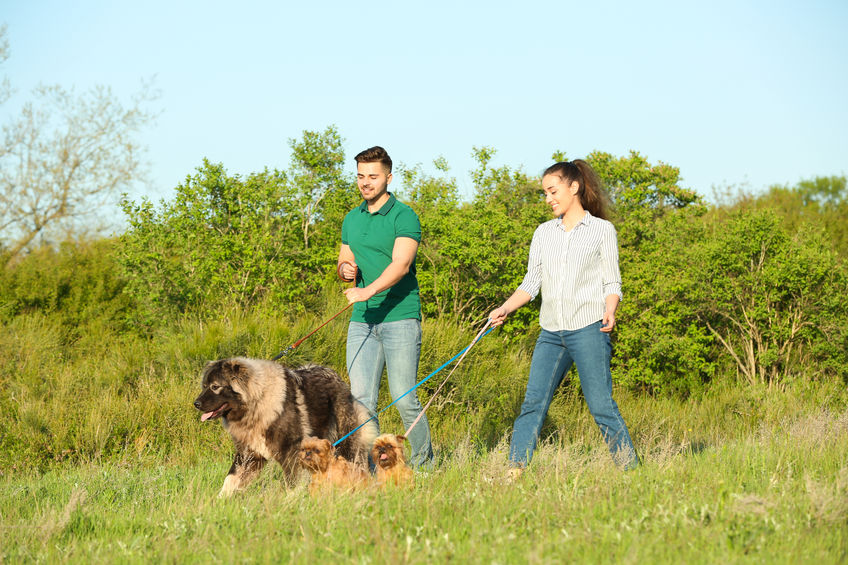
<point>408,225</point>
<point>610,275</point>
<point>533,278</point>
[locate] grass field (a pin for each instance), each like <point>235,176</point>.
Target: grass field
<point>103,459</point>
<point>775,494</point>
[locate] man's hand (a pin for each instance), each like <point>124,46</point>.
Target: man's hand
<point>347,271</point>
<point>357,294</point>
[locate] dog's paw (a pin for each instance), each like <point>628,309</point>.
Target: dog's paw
<point>231,484</point>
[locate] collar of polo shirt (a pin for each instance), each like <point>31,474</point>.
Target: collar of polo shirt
<point>384,209</point>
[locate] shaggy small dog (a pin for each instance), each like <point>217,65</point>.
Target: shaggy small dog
<point>318,456</point>
<point>387,454</point>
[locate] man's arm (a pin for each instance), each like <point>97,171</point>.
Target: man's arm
<point>346,265</point>
<point>403,254</point>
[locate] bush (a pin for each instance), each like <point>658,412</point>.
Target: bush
<point>78,284</point>
<point>227,240</point>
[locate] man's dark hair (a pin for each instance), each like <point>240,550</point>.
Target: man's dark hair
<point>375,154</point>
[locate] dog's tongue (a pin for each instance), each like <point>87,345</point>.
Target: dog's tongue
<point>213,414</point>
<point>384,456</point>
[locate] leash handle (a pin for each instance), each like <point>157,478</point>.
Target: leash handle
<point>291,347</point>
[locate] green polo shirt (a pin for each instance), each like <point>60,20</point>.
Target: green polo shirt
<point>371,237</point>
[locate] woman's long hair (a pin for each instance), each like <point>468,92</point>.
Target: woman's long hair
<point>592,195</point>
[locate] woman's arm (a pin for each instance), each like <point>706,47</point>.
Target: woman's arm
<point>610,274</point>
<point>611,279</point>
<point>527,290</point>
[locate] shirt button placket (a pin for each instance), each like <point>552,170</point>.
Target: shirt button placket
<point>563,284</point>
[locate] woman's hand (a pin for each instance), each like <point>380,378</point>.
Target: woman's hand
<point>610,306</point>
<point>518,299</point>
<point>608,322</point>
<point>497,316</point>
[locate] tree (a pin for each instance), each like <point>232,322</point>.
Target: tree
<point>821,201</point>
<point>641,193</point>
<point>324,192</point>
<point>5,88</point>
<point>660,345</point>
<point>63,159</point>
<point>772,298</point>
<point>474,254</point>
<point>225,239</point>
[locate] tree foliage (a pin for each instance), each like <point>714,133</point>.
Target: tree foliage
<point>659,345</point>
<point>752,292</point>
<point>474,253</point>
<point>225,239</point>
<point>772,297</point>
<point>77,283</point>
<point>63,159</point>
<point>820,201</point>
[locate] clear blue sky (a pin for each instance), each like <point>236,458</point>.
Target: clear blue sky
<point>731,92</point>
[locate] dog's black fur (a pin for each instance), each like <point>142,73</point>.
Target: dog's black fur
<point>268,409</point>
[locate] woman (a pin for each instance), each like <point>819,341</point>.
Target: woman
<point>574,261</point>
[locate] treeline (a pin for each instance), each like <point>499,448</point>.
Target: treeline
<point>750,289</point>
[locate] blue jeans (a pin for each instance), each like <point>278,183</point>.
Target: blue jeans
<point>397,347</point>
<point>553,356</point>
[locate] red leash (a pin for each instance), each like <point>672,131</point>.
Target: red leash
<point>301,340</point>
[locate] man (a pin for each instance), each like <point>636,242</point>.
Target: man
<point>380,238</point>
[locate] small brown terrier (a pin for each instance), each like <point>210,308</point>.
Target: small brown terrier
<point>318,456</point>
<point>390,460</point>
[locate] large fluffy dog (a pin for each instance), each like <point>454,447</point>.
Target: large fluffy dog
<point>268,409</point>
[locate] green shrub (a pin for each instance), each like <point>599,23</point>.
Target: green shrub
<point>79,284</point>
<point>228,240</point>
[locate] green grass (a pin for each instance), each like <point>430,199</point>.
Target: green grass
<point>103,459</point>
<point>776,495</point>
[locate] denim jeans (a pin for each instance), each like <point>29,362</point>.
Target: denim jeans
<point>397,347</point>
<point>553,356</point>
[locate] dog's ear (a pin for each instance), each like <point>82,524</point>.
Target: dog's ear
<point>234,369</point>
<point>207,369</point>
<point>231,366</point>
<point>325,444</point>
<point>400,439</point>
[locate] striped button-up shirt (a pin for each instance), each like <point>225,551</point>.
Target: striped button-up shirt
<point>576,270</point>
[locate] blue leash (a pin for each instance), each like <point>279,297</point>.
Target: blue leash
<point>448,362</point>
